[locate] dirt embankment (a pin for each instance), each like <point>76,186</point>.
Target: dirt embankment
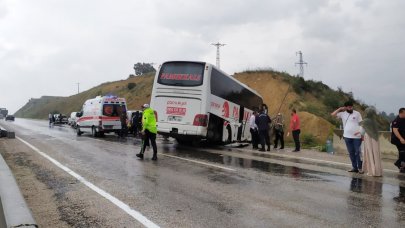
<point>280,97</point>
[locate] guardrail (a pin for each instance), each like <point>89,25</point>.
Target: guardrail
<point>14,211</point>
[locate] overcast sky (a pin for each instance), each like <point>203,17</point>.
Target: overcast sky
<point>48,46</point>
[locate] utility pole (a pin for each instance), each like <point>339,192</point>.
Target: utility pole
<point>78,87</point>
<point>218,45</point>
<point>301,63</point>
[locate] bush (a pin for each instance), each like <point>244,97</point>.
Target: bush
<point>308,139</point>
<point>331,100</point>
<point>131,85</point>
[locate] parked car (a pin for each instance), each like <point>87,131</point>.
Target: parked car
<point>60,119</point>
<point>72,119</point>
<point>10,117</point>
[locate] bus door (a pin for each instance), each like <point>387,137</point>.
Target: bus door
<point>241,129</point>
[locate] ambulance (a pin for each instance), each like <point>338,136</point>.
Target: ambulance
<point>101,115</point>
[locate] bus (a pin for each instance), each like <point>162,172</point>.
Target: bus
<point>196,100</point>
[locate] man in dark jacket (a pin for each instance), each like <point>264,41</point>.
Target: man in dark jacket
<point>398,138</point>
<point>263,121</point>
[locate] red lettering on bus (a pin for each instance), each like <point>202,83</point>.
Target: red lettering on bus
<point>225,109</point>
<point>181,77</point>
<point>235,113</point>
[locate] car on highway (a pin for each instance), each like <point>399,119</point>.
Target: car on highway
<point>60,119</point>
<point>72,119</point>
<point>10,118</point>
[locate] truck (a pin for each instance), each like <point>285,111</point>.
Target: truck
<point>101,115</point>
<point>3,113</point>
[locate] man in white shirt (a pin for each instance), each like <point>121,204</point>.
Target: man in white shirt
<point>351,133</point>
<point>253,130</point>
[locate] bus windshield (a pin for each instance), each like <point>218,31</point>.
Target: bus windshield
<point>181,74</point>
<point>113,110</point>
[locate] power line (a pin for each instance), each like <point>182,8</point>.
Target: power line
<point>218,45</point>
<point>301,63</point>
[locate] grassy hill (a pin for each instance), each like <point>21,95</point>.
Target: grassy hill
<point>281,92</point>
<point>136,96</point>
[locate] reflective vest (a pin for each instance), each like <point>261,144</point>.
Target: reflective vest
<point>149,120</point>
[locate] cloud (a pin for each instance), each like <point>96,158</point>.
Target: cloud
<point>352,44</point>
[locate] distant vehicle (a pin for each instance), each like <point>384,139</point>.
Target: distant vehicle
<point>4,112</point>
<point>101,115</point>
<point>130,115</point>
<point>1,116</point>
<point>60,119</point>
<point>72,119</point>
<point>10,118</point>
<point>196,100</point>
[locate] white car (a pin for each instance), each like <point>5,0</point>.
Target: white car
<point>72,119</point>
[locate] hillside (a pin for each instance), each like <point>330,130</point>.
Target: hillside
<point>140,94</point>
<point>281,92</point>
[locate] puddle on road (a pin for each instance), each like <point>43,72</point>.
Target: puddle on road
<point>273,168</point>
<point>354,184</point>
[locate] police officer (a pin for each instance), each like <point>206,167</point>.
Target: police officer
<point>398,138</point>
<point>149,131</point>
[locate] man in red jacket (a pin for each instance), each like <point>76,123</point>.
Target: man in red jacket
<point>295,129</point>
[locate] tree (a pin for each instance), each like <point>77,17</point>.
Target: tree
<point>131,85</point>
<point>143,68</point>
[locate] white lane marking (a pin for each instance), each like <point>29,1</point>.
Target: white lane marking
<point>199,162</point>
<point>135,214</point>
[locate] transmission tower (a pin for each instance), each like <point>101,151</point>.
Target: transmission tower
<point>301,63</point>
<point>218,45</point>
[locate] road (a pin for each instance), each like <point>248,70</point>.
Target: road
<point>98,182</point>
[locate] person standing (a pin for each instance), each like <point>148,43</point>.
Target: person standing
<point>398,138</point>
<point>50,119</point>
<point>295,127</point>
<point>135,123</point>
<point>372,155</point>
<point>253,130</point>
<point>279,131</point>
<point>124,126</point>
<point>265,109</point>
<point>263,121</point>
<point>351,133</point>
<point>149,130</point>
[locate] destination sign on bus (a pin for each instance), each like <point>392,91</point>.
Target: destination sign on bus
<point>181,77</point>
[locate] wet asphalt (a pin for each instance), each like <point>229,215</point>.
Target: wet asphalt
<point>218,186</point>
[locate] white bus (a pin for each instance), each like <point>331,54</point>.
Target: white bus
<point>196,100</point>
